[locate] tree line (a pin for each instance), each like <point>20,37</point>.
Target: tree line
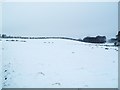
<point>97,39</point>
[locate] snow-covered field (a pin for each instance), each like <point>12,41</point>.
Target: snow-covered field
<point>52,63</point>
<point>0,64</point>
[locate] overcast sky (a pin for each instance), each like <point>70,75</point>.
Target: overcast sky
<point>59,0</point>
<point>0,18</point>
<point>61,19</point>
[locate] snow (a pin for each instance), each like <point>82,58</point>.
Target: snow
<point>58,63</point>
<point>0,64</point>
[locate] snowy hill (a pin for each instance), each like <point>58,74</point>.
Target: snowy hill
<point>0,64</point>
<point>58,63</point>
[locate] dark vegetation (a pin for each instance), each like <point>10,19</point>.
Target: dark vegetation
<point>17,40</point>
<point>97,39</point>
<point>117,43</point>
<point>21,37</point>
<point>112,40</point>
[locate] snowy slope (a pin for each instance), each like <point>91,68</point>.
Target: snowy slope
<point>53,63</point>
<point>0,64</point>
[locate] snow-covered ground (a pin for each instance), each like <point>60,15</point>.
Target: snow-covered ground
<point>52,63</point>
<point>0,64</point>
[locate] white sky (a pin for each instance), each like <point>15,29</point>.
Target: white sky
<point>59,0</point>
<point>0,17</point>
<point>60,19</point>
<point>49,1</point>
